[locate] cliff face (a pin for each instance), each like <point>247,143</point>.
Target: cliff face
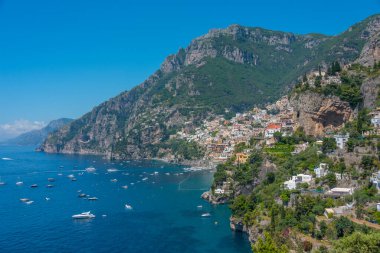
<point>227,69</point>
<point>370,90</point>
<point>371,50</point>
<point>317,113</point>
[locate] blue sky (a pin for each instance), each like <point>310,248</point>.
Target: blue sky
<point>60,58</point>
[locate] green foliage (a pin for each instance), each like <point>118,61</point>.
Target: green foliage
<point>358,242</point>
<point>343,226</point>
<point>268,245</point>
<point>328,145</point>
<point>185,149</point>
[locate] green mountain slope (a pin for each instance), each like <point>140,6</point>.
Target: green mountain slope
<point>225,70</point>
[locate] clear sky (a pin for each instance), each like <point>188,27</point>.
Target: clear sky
<point>60,58</point>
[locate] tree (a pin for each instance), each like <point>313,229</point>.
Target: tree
<point>328,145</point>
<point>358,242</point>
<point>267,245</point>
<point>330,179</point>
<point>344,227</point>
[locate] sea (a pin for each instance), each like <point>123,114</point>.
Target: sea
<point>166,214</point>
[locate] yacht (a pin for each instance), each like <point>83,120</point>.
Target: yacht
<point>49,186</point>
<point>84,215</point>
<point>29,202</point>
<point>82,195</point>
<point>90,169</point>
<point>206,215</point>
<point>93,198</point>
<point>19,183</point>
<point>24,200</point>
<point>129,207</point>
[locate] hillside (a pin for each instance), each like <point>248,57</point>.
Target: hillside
<point>37,137</point>
<point>223,72</point>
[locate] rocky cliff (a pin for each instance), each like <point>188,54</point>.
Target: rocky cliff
<point>317,113</point>
<point>224,71</point>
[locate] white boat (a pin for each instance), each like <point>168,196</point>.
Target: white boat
<point>29,202</point>
<point>90,169</point>
<point>200,206</point>
<point>93,198</point>
<point>19,183</point>
<point>71,176</point>
<point>125,187</point>
<point>47,199</point>
<point>24,200</point>
<point>206,215</point>
<point>6,159</point>
<point>113,180</point>
<point>129,207</point>
<point>84,215</point>
<point>112,170</point>
<point>145,178</point>
<point>50,179</point>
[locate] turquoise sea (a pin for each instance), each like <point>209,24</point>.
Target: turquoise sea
<point>166,216</point>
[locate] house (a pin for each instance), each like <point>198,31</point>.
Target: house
<point>241,157</point>
<point>341,140</point>
<point>271,129</point>
<point>375,179</point>
<point>340,191</point>
<point>375,121</point>
<point>292,183</point>
<point>219,191</point>
<point>337,211</point>
<point>321,171</point>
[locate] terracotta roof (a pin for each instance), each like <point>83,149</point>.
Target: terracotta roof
<point>273,126</point>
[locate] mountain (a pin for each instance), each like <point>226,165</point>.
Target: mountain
<point>223,72</point>
<point>37,137</point>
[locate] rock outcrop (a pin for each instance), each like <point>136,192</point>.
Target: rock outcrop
<point>370,90</point>
<point>317,113</point>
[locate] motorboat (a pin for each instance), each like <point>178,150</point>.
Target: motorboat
<point>84,215</point>
<point>92,198</point>
<point>129,207</point>
<point>49,186</point>
<point>34,186</point>
<point>71,176</point>
<point>82,195</point>
<point>24,200</point>
<point>50,179</point>
<point>112,170</point>
<point>125,187</point>
<point>29,202</point>
<point>206,215</point>
<point>19,183</point>
<point>200,206</point>
<point>73,179</point>
<point>113,180</point>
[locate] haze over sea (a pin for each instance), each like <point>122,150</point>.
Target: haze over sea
<point>165,215</point>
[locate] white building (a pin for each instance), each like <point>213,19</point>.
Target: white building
<point>341,191</point>
<point>321,171</point>
<point>292,183</point>
<point>375,121</point>
<point>341,140</point>
<point>378,207</point>
<point>271,129</point>
<point>375,179</point>
<point>219,191</point>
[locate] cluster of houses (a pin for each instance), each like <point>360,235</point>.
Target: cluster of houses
<point>220,136</point>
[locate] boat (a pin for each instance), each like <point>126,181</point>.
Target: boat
<point>145,178</point>
<point>24,200</point>
<point>47,199</point>
<point>82,195</point>
<point>34,186</point>
<point>90,169</point>
<point>1,182</point>
<point>129,207</point>
<point>113,180</point>
<point>125,187</point>
<point>49,186</point>
<point>84,215</point>
<point>71,176</point>
<point>19,183</point>
<point>112,170</point>
<point>73,179</point>
<point>92,198</point>
<point>200,206</point>
<point>29,202</point>
<point>206,215</point>
<point>6,159</point>
<point>50,179</point>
